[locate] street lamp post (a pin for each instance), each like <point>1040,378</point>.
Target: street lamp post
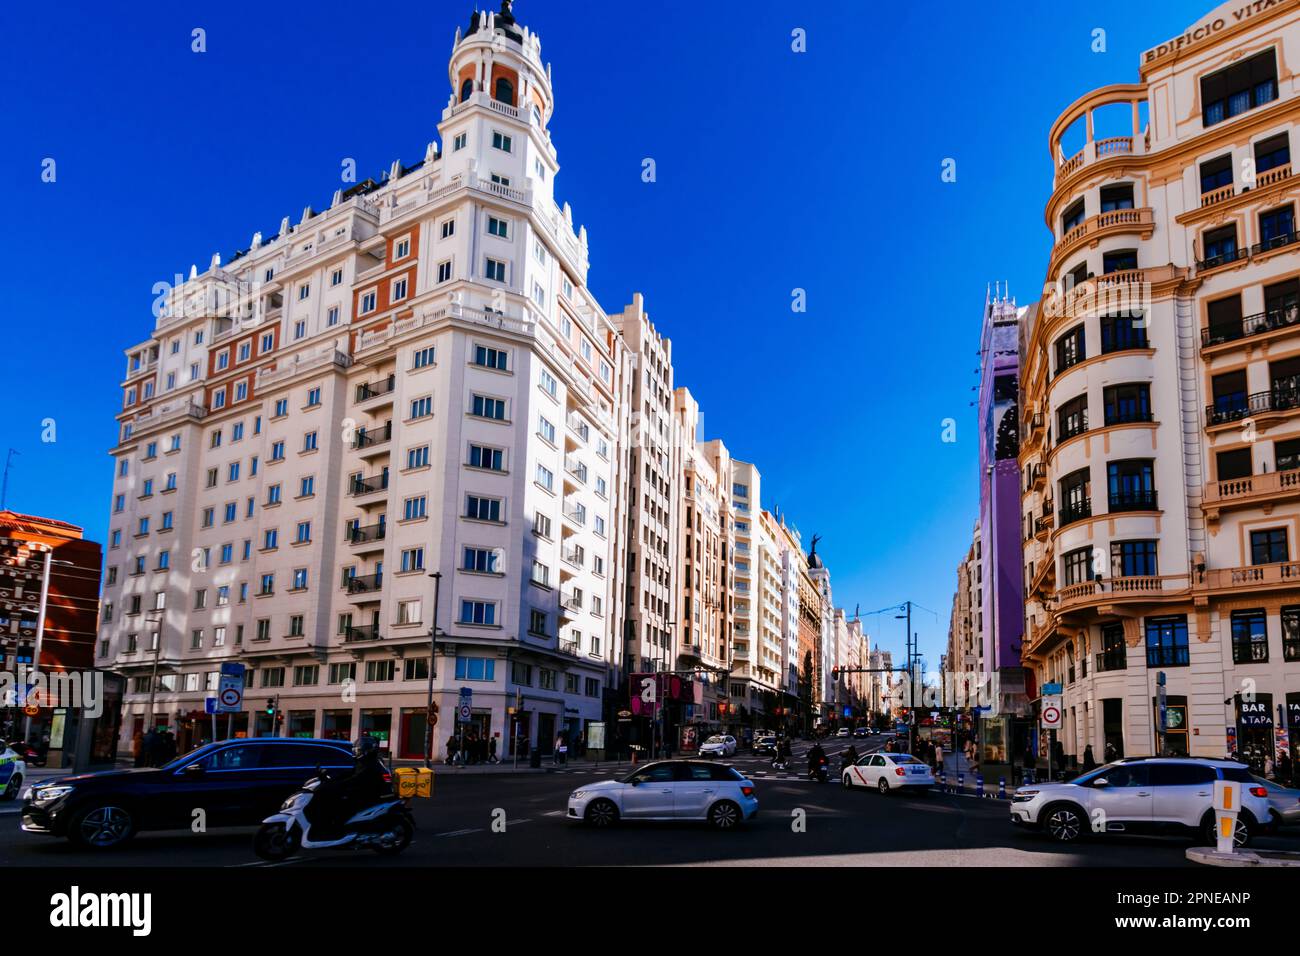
<point>433,651</point>
<point>155,616</point>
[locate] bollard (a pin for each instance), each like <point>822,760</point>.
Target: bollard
<point>961,781</point>
<point>1002,788</point>
<point>942,784</point>
<point>979,784</point>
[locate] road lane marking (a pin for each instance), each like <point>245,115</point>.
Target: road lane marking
<point>454,833</point>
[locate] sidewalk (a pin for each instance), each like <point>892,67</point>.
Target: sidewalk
<point>507,766</point>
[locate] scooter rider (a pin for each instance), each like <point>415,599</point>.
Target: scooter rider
<point>849,757</point>
<point>364,785</point>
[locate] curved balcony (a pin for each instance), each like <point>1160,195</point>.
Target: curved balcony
<point>1253,491</point>
<point>1124,590</point>
<point>1125,292</point>
<point>1092,230</point>
<point>1095,150</point>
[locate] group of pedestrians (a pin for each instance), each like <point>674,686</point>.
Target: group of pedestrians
<point>471,748</point>
<point>154,748</point>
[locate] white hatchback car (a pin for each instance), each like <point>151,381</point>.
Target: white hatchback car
<point>887,772</point>
<point>1142,795</point>
<point>12,773</point>
<point>719,745</point>
<point>668,790</point>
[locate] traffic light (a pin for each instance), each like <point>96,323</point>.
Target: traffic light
<point>835,674</point>
<point>271,706</point>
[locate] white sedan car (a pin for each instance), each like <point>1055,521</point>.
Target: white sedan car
<point>668,790</point>
<point>719,745</point>
<point>887,772</point>
<point>12,772</point>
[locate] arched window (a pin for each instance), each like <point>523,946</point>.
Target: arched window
<point>466,89</point>
<point>537,116</point>
<point>505,91</point>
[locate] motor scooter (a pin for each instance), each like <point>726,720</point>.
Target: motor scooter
<point>386,827</point>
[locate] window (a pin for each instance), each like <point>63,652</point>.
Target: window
<point>478,612</point>
<point>309,441</point>
<point>481,456</point>
<point>1291,634</point>
<point>306,675</point>
<point>1277,228</point>
<point>481,560</point>
<point>368,302</point>
<point>501,141</point>
<point>1070,349</point>
<point>475,668</point>
<point>408,612</point>
<point>417,457</point>
<point>1224,320</point>
<point>485,407</point>
<point>421,407</point>
<point>1167,641</point>
<point>1127,403</point>
<point>549,384</point>
<point>423,358</point>
<point>498,227</point>
<point>413,560</point>
<point>462,139</point>
<point>1220,247</point>
<point>1286,455</point>
<point>1075,496</point>
<point>445,273</point>
<point>546,429</point>
<point>313,397</point>
<point>1131,485</point>
<point>1239,88</point>
<point>1249,637</point>
<point>483,509</point>
<point>448,228</point>
<point>304,291</point>
<point>1115,197</point>
<point>1121,260</point>
<point>398,290</point>
<point>302,534</point>
<point>494,269</point>
<point>545,477</point>
<point>1077,566</point>
<point>537,622</point>
<point>414,507</point>
<point>339,673</point>
<point>415,668</point>
<point>542,525</point>
<point>1130,559</point>
<point>299,329</point>
<point>1234,464</point>
<point>1269,546</point>
<point>1072,217</point>
<point>1072,418</point>
<point>381,671</point>
<point>401,248</point>
<point>307,487</point>
<point>1272,153</point>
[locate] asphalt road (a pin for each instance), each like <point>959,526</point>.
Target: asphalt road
<point>519,819</point>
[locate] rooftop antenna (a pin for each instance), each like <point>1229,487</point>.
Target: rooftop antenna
<point>4,489</point>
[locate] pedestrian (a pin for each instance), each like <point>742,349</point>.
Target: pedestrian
<point>1284,767</point>
<point>1088,762</point>
<point>492,750</point>
<point>1268,766</point>
<point>451,749</point>
<point>562,745</point>
<point>555,752</point>
<point>1058,757</point>
<point>1110,753</point>
<point>137,749</point>
<point>1028,761</point>
<point>938,756</point>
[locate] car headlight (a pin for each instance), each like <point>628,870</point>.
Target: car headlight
<point>44,794</point>
<point>1023,796</point>
<point>577,794</point>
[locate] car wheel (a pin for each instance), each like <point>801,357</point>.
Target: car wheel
<point>102,827</point>
<point>1244,833</point>
<point>847,780</point>
<point>601,814</point>
<point>883,786</point>
<point>1064,823</point>
<point>13,787</point>
<point>275,843</point>
<point>724,815</point>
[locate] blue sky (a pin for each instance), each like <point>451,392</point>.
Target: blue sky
<point>775,171</point>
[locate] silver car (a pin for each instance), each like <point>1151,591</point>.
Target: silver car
<point>1142,795</point>
<point>1284,802</point>
<point>668,790</point>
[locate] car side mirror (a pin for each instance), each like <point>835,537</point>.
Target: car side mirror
<point>193,770</point>
<point>1101,782</point>
<point>635,782</point>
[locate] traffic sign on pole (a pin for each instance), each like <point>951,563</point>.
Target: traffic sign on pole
<point>1051,715</point>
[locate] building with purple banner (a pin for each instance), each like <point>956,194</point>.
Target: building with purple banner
<point>1001,565</point>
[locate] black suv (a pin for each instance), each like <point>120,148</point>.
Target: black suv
<point>234,783</point>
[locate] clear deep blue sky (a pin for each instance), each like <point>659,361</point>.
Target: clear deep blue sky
<point>776,170</point>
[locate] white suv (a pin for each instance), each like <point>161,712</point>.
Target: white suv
<point>1141,795</point>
